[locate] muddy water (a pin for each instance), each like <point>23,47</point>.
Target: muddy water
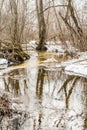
<point>54,100</point>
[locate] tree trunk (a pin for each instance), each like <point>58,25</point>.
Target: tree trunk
<point>17,52</point>
<point>77,31</point>
<point>1,5</point>
<point>41,25</point>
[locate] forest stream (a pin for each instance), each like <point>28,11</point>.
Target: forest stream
<point>52,99</point>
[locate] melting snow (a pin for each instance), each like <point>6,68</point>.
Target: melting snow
<point>33,43</point>
<point>50,60</point>
<point>3,61</point>
<point>55,48</point>
<point>77,69</point>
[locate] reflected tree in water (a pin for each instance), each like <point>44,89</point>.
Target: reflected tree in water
<point>51,94</point>
<point>84,82</point>
<point>69,92</point>
<point>16,81</point>
<point>40,83</point>
<point>39,90</point>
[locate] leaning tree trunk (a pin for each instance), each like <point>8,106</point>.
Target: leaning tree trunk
<point>17,53</point>
<point>77,30</point>
<point>42,26</point>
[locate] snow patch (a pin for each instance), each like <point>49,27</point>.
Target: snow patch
<point>3,61</point>
<point>77,69</point>
<point>33,43</point>
<point>50,60</point>
<point>30,44</point>
<point>55,48</point>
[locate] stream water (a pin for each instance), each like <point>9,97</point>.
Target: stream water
<point>54,100</point>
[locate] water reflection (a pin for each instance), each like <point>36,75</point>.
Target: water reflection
<point>53,99</point>
<point>16,82</point>
<point>73,81</point>
<point>40,83</point>
<point>84,81</point>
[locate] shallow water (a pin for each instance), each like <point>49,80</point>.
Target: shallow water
<point>54,100</point>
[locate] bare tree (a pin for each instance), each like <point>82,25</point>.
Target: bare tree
<point>14,24</point>
<point>17,53</point>
<point>42,25</point>
<point>1,5</point>
<point>76,30</point>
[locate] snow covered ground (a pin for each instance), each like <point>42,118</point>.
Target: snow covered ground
<point>77,67</point>
<point>3,63</point>
<point>51,45</point>
<point>57,47</point>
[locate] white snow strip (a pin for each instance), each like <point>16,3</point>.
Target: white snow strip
<point>77,69</point>
<point>50,60</point>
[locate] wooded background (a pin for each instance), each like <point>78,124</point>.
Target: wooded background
<point>43,20</point>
